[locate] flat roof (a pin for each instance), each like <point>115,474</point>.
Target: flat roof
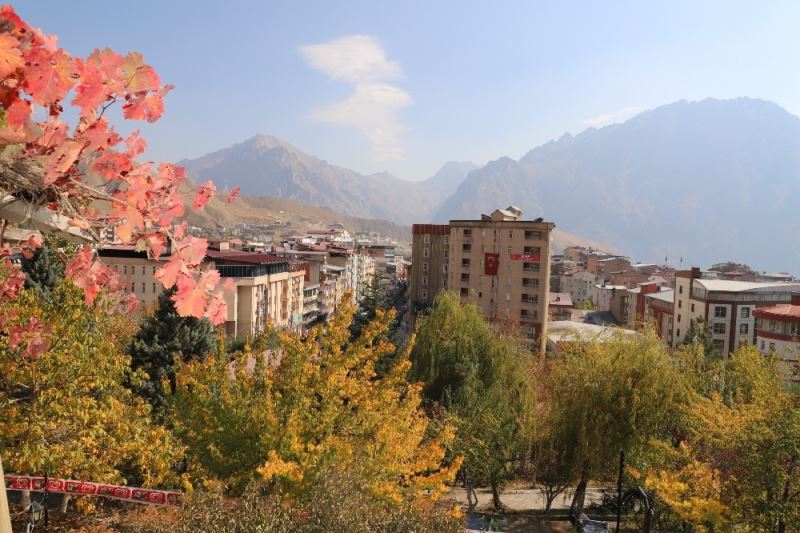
<point>568,331</point>
<point>724,285</point>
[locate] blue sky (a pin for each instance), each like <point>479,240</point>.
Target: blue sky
<point>406,86</point>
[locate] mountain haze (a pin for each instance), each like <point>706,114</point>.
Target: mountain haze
<point>706,181</point>
<point>266,166</point>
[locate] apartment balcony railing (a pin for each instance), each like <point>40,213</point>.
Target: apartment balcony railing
<point>527,318</point>
<point>529,301</point>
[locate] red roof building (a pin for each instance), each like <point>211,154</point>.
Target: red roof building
<point>778,332</point>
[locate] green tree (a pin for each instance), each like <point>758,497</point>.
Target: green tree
<point>163,339</point>
<point>698,333</point>
<point>44,269</point>
<point>484,380</point>
<point>610,395</point>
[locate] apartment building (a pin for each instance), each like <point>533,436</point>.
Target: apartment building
<point>430,247</point>
<point>660,311</point>
<point>136,270</point>
<point>578,284</point>
<point>725,306</point>
<point>778,332</point>
<point>603,294</point>
<point>502,263</point>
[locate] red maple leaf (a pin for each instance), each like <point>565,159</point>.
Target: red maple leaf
<point>203,195</point>
<point>234,193</point>
<point>10,57</point>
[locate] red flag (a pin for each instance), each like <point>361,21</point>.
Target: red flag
<point>490,263</point>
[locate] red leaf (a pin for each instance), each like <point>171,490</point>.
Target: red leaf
<point>234,193</point>
<point>93,89</point>
<point>168,274</point>
<point>137,75</point>
<point>10,57</point>
<point>135,145</point>
<point>203,195</point>
<point>147,106</point>
<point>217,310</point>
<point>190,298</point>
<point>60,161</point>
<point>18,113</point>
<point>48,77</point>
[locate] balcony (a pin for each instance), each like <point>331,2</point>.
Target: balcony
<point>531,267</point>
<point>527,318</point>
<point>465,263</point>
<point>529,300</point>
<point>533,235</point>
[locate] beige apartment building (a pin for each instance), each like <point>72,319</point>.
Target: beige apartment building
<point>269,289</point>
<point>502,263</point>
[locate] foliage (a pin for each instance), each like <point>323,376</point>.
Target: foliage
<point>740,460</point>
<point>485,382</point>
<point>337,503</point>
<point>89,175</point>
<point>289,413</point>
<point>698,332</point>
<point>63,407</point>
<point>45,268</point>
<point>610,395</point>
<point>164,338</point>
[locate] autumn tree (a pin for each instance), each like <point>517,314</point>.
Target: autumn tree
<point>44,268</point>
<point>738,465</point>
<point>63,407</point>
<point>164,338</point>
<point>608,395</point>
<point>76,182</point>
<point>291,412</point>
<point>485,382</point>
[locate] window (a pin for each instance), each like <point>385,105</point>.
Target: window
<point>133,287</point>
<point>426,239</point>
<point>530,267</point>
<point>467,233</point>
<point>530,282</point>
<point>510,249</point>
<point>424,267</point>
<point>142,274</point>
<point>680,289</point>
<point>466,247</point>
<point>763,346</point>
<point>533,235</point>
<point>446,240</point>
<point>692,308</point>
<point>426,252</point>
<point>772,347</point>
<point>125,269</point>
<point>480,280</point>
<point>464,292</point>
<point>720,312</point>
<point>743,329</point>
<point>154,271</point>
<point>424,294</point>
<point>530,298</point>
<point>508,296</point>
<point>424,281</point>
<point>465,263</point>
<point>680,304</point>
<point>719,328</point>
<point>745,312</point>
<point>510,234</point>
<point>719,344</point>
<point>679,319</point>
<point>532,250</point>
<point>465,278</point>
<point>678,333</point>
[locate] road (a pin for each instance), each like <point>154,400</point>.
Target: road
<point>524,499</point>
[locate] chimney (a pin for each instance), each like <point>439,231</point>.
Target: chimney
<point>796,298</point>
<point>695,272</point>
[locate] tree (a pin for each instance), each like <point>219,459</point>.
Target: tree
<point>63,407</point>
<point>77,182</point>
<point>292,412</point>
<point>164,338</point>
<point>610,395</point>
<point>741,456</point>
<point>698,332</point>
<point>484,380</point>
<point>44,269</point>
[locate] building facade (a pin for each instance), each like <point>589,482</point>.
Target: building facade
<point>778,332</point>
<point>429,251</point>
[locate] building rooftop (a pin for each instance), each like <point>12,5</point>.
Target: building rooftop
<point>784,311</point>
<point>569,331</point>
<point>560,299</point>
<point>664,296</point>
<point>724,285</point>
<point>244,257</point>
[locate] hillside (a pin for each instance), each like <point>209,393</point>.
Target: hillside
<point>707,181</point>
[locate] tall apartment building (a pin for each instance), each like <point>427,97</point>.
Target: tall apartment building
<point>778,332</point>
<point>500,262</point>
<point>429,251</point>
<point>726,306</point>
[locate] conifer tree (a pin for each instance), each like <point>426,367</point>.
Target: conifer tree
<point>43,270</point>
<point>164,338</point>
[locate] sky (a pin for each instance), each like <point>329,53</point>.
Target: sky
<point>405,86</point>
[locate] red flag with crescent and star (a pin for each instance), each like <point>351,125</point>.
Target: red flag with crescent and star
<point>490,263</point>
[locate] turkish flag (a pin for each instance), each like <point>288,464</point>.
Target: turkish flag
<point>490,263</point>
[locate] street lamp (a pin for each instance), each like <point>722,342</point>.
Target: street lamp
<point>35,513</point>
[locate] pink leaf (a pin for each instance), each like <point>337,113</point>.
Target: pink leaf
<point>203,195</point>
<point>234,193</point>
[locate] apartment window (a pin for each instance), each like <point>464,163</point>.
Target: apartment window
<point>763,346</point>
<point>533,235</point>
<point>133,287</point>
<point>464,292</point>
<point>743,329</point>
<point>467,234</point>
<point>692,308</point>
<point>426,252</point>
<point>510,234</point>
<point>154,271</point>
<point>530,267</point>
<point>719,344</point>
<point>678,333</point>
<point>679,319</point>
<point>720,312</point>
<point>465,263</point>
<point>424,267</point>
<point>719,329</point>
<point>510,249</point>
<point>680,304</point>
<point>530,298</point>
<point>532,250</point>
<point>480,280</point>
<point>530,282</point>
<point>465,278</point>
<point>772,347</point>
<point>142,273</point>
<point>508,296</point>
<point>424,294</point>
<point>745,313</point>
<point>680,289</point>
<point>508,281</point>
<point>426,239</point>
<point>125,269</point>
<point>773,325</point>
<point>466,247</point>
<point>446,240</point>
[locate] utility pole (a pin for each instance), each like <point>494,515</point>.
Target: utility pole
<point>619,488</point>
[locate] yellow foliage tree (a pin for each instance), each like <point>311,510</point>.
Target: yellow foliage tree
<point>293,411</point>
<point>64,408</point>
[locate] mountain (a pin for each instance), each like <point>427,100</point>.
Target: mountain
<point>266,166</point>
<point>706,181</point>
<point>447,179</point>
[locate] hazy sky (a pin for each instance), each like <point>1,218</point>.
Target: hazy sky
<point>404,86</point>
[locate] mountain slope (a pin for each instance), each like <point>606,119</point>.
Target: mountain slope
<point>708,180</point>
<point>266,166</point>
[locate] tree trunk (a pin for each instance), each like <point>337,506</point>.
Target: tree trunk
<point>498,506</point>
<point>25,498</point>
<point>64,503</point>
<point>576,509</point>
<point>472,498</point>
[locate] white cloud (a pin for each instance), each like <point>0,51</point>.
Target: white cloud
<point>372,108</point>
<point>609,118</point>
